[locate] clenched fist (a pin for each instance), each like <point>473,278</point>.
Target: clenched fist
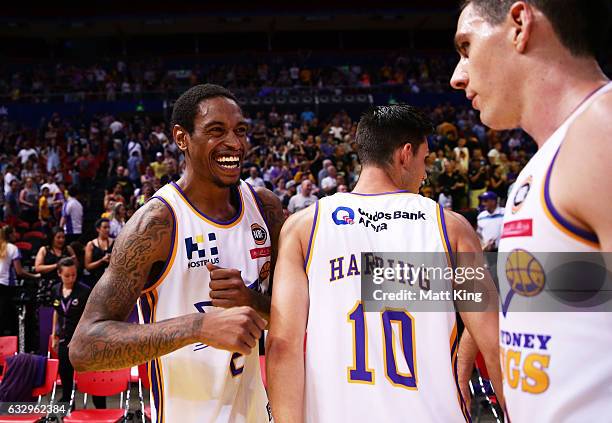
<point>235,329</point>
<point>227,289</point>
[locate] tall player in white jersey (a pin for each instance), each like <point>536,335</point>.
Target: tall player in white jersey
<point>352,369</point>
<point>531,64</point>
<point>190,256</point>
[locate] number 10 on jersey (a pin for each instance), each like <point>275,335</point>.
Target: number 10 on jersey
<point>360,372</point>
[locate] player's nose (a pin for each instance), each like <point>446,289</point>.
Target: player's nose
<point>459,79</point>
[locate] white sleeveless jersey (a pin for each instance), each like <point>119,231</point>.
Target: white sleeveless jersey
<point>556,365</point>
<point>199,383</point>
<point>373,366</point>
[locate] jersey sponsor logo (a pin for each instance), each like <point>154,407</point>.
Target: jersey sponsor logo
<point>200,252</point>
<point>377,220</point>
<point>260,252</point>
<point>523,227</point>
<point>259,234</point>
<point>343,216</point>
<point>521,195</point>
<point>524,273</point>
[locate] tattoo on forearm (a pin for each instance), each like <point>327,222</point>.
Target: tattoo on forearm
<point>118,345</point>
<point>106,341</point>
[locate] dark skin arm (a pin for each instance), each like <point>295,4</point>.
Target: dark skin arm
<point>227,286</point>
<point>104,341</point>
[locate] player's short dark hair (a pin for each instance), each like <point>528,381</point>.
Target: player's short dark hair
<point>583,26</point>
<point>65,262</point>
<point>186,106</point>
<point>384,129</point>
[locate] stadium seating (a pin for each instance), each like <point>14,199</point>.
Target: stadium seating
<point>101,384</point>
<point>46,389</point>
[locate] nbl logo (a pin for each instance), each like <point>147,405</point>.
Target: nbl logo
<point>197,248</point>
<point>343,216</point>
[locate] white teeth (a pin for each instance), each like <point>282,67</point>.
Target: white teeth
<point>229,162</point>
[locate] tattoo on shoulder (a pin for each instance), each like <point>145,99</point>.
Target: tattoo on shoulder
<point>133,255</point>
<point>272,209</point>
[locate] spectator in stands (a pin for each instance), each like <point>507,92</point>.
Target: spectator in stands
<point>497,183</point>
<point>117,220</point>
<point>303,199</point>
<point>477,178</point>
<point>329,183</point>
<point>69,297</point>
<point>114,197</point>
<point>49,255</point>
<point>490,222</point>
<point>72,216</point>
<point>254,179</point>
<point>10,269</point>
<point>454,184</point>
<point>11,202</point>
<point>44,211</point>
<point>148,177</point>
<point>98,250</point>
<point>133,166</point>
<point>28,201</point>
<point>158,166</point>
<point>143,196</point>
<point>9,176</point>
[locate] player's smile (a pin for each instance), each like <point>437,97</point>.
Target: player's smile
<point>227,163</point>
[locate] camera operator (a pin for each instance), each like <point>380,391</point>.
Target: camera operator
<point>10,270</point>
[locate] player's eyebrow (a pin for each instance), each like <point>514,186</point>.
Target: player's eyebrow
<point>213,123</point>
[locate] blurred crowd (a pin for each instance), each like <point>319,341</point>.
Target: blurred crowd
<point>301,157</point>
<point>114,80</point>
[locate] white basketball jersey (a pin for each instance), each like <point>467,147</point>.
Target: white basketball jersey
<point>556,365</point>
<point>398,365</point>
<point>199,383</point>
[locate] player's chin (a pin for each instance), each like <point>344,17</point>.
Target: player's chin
<point>496,120</point>
<point>225,180</point>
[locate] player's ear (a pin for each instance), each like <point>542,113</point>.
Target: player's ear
<point>521,18</point>
<point>181,137</point>
<point>405,154</point>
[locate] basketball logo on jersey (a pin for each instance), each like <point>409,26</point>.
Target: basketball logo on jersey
<point>521,195</point>
<point>259,234</point>
<point>343,216</point>
<point>206,251</point>
<point>525,274</point>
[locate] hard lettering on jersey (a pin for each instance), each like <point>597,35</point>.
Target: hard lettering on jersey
<point>199,371</point>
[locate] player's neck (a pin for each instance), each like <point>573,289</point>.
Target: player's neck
<point>548,104</point>
<point>212,200</point>
<point>374,180</point>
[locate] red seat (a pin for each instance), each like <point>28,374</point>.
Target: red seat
<point>101,384</point>
<point>22,226</point>
<point>34,235</point>
<point>24,246</point>
<point>47,388</point>
<point>51,353</point>
<point>8,347</point>
<point>37,225</point>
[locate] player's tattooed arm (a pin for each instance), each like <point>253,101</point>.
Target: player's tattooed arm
<point>273,212</point>
<point>103,340</point>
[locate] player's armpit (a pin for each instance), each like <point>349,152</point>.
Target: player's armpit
<point>289,315</point>
<point>102,339</point>
<point>483,326</point>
